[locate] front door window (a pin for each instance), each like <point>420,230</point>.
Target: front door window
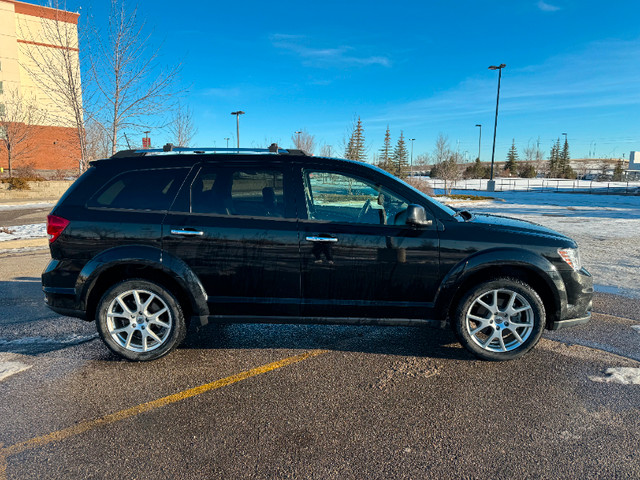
<point>336,197</point>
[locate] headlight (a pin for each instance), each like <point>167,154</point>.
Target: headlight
<point>571,257</point>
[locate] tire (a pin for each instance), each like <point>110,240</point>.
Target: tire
<point>500,320</point>
<point>140,320</point>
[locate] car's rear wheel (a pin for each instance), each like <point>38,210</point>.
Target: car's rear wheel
<point>500,320</point>
<point>140,320</point>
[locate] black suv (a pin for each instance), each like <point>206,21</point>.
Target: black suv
<point>145,242</point>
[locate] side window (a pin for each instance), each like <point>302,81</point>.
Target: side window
<point>225,191</point>
<point>140,190</point>
<point>337,197</point>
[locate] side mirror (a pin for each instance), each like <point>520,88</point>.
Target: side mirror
<point>417,217</point>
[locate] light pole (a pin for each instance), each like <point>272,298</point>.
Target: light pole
<point>479,139</point>
<point>227,139</point>
<point>411,167</point>
<point>237,114</point>
<point>298,133</point>
<point>491,184</point>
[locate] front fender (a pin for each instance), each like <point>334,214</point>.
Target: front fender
<point>142,255</point>
<point>494,259</point>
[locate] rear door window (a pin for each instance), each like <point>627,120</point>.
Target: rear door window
<point>141,190</point>
<point>245,191</point>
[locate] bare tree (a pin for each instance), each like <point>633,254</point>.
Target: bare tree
<point>446,163</point>
<point>326,150</point>
<point>56,71</point>
<point>97,142</point>
<point>19,124</point>
<point>181,128</point>
<point>442,149</point>
<point>127,76</point>
<point>304,141</point>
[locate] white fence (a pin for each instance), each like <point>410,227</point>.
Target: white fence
<point>542,185</point>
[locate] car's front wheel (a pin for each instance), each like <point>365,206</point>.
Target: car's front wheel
<point>140,320</point>
<point>500,320</point>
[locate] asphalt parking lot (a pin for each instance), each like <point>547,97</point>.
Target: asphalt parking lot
<point>280,401</point>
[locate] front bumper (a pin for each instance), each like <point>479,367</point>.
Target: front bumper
<point>557,325</point>
<point>579,289</point>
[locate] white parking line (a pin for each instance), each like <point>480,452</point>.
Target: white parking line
<point>636,328</point>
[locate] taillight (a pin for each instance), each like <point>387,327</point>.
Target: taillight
<point>55,226</point>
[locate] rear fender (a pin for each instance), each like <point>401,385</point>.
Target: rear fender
<point>143,256</point>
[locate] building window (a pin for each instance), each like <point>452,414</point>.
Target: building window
<point>1,90</point>
<point>3,110</point>
<point>3,132</point>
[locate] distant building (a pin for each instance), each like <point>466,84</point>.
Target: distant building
<point>23,26</point>
<point>634,161</point>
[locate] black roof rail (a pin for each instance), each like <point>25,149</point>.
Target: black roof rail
<point>127,153</point>
<point>170,148</point>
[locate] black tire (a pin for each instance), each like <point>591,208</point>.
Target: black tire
<point>501,319</point>
<point>140,320</point>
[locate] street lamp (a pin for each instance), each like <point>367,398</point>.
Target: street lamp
<point>298,133</point>
<point>227,139</point>
<point>479,139</point>
<point>491,185</point>
<point>237,114</point>
<point>411,167</point>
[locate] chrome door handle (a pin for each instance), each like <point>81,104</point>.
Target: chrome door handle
<point>321,239</point>
<point>188,233</point>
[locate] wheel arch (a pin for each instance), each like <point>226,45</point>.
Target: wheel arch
<point>523,265</point>
<point>148,263</point>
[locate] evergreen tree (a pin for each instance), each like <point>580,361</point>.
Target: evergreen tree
<point>355,147</point>
<point>512,158</point>
<point>554,160</point>
<point>400,162</point>
<point>618,172</point>
<point>385,152</point>
<point>564,165</point>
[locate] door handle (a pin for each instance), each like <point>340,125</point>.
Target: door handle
<point>322,239</point>
<point>188,233</point>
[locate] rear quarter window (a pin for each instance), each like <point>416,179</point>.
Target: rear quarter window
<point>140,190</point>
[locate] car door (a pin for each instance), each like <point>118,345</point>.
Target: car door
<point>358,257</point>
<point>234,225</point>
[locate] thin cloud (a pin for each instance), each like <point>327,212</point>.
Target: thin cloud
<point>602,75</point>
<point>547,7</point>
<point>344,56</point>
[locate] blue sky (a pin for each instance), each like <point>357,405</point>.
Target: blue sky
<point>421,67</point>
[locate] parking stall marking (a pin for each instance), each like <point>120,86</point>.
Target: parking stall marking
<point>88,425</point>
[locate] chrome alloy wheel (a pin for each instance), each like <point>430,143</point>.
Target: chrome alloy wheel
<point>499,320</point>
<point>139,320</point>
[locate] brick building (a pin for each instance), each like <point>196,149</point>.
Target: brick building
<point>27,103</point>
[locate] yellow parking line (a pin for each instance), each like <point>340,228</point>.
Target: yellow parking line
<point>144,407</point>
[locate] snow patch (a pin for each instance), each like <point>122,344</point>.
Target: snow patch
<point>26,206</point>
<point>8,366</point>
<point>622,375</point>
<point>20,232</point>
<point>636,328</point>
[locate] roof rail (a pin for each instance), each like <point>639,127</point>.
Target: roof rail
<point>170,148</point>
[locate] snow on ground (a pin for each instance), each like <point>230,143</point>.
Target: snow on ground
<point>26,206</point>
<point>8,365</point>
<point>606,227</point>
<point>35,230</point>
<point>623,375</point>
